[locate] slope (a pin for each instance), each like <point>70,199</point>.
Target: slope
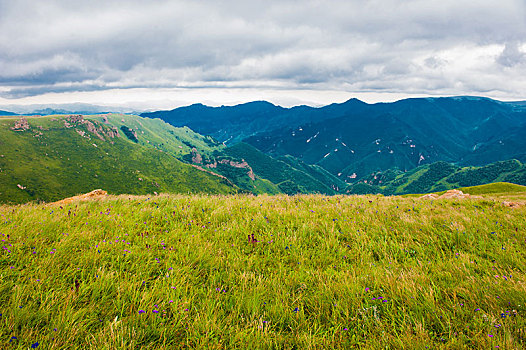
<point>440,176</point>
<point>48,158</point>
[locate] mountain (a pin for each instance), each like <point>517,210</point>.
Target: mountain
<point>231,124</point>
<point>404,135</point>
<point>6,113</point>
<point>65,108</point>
<point>52,157</point>
<point>353,139</point>
<point>290,175</point>
<point>440,176</point>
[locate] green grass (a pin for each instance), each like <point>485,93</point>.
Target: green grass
<point>494,188</point>
<point>327,272</point>
<point>51,161</point>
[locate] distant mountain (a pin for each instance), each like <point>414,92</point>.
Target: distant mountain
<point>66,108</point>
<point>354,139</point>
<point>404,135</point>
<point>231,124</point>
<point>7,113</point>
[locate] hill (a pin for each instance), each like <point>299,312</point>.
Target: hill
<point>262,272</point>
<point>49,158</point>
<point>60,158</point>
<point>494,188</point>
<point>243,165</point>
<point>353,139</point>
<point>404,135</point>
<point>6,113</point>
<point>440,176</point>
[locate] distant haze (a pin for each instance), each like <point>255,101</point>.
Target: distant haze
<point>161,54</point>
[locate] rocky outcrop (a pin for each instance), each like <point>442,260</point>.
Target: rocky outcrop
<point>95,194</point>
<point>454,194</point>
<point>99,131</point>
<point>512,204</point>
<point>94,130</point>
<point>241,165</point>
<point>196,157</point>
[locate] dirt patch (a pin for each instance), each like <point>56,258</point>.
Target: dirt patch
<point>95,194</point>
<point>451,194</point>
<point>512,204</point>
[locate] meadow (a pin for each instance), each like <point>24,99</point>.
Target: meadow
<point>264,272</point>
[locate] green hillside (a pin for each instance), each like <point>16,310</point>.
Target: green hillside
<point>57,156</point>
<point>440,176</point>
<point>291,176</point>
<point>245,166</point>
<point>54,157</point>
<point>494,188</point>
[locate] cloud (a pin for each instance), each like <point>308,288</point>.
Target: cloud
<point>398,46</point>
<point>511,55</point>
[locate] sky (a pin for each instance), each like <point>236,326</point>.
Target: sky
<point>161,54</point>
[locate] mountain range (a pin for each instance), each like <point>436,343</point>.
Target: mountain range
<point>353,139</point>
<point>409,146</point>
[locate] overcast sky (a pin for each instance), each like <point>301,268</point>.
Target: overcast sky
<point>169,53</point>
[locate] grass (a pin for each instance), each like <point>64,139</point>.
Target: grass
<point>343,272</point>
<point>494,188</point>
<point>51,161</point>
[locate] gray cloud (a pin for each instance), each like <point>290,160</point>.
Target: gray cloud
<point>401,46</point>
<point>511,55</point>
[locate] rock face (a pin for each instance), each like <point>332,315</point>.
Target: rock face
<point>75,120</point>
<point>241,165</point>
<point>21,125</point>
<point>95,194</point>
<point>454,194</point>
<point>196,157</point>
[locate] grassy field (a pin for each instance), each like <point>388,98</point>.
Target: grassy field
<point>265,272</point>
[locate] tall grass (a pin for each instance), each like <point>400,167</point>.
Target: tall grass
<point>321,272</point>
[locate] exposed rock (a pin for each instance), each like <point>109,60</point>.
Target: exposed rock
<point>454,194</point>
<point>196,157</point>
<point>113,132</point>
<point>430,196</point>
<point>74,119</point>
<point>21,125</point>
<point>512,204</point>
<point>94,130</point>
<point>210,172</point>
<point>80,132</point>
<point>95,194</point>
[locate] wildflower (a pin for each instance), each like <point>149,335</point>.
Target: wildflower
<point>34,345</point>
<point>155,311</point>
<point>140,311</point>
